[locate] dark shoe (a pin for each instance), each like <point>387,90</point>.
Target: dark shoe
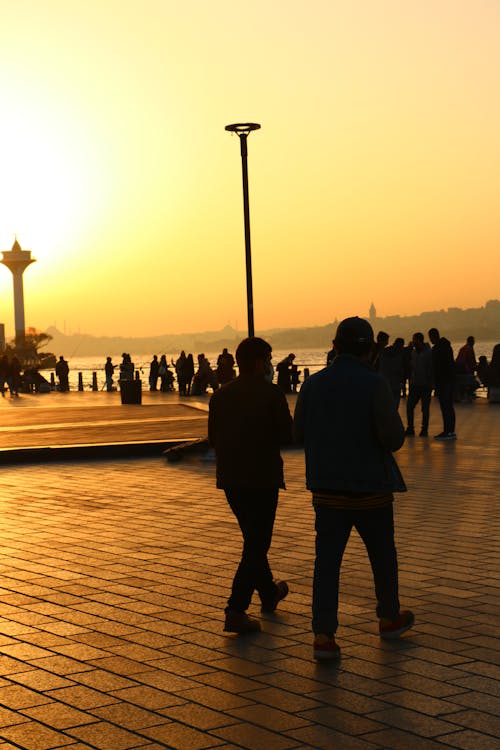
<point>325,647</point>
<point>410,431</point>
<point>281,592</point>
<point>423,433</point>
<point>394,628</point>
<point>446,436</point>
<point>240,622</point>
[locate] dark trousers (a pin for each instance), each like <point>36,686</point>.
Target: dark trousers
<point>333,528</point>
<point>445,397</point>
<point>418,393</point>
<point>255,510</point>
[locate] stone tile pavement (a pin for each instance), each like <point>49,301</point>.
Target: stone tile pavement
<point>113,579</point>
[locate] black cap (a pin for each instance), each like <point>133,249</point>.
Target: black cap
<point>354,331</point>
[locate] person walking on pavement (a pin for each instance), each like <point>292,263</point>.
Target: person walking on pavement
<point>421,384</point>
<point>248,420</point>
<point>346,418</point>
<point>444,380</point>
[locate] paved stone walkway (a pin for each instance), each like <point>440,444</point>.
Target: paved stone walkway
<point>74,418</point>
<point>113,579</point>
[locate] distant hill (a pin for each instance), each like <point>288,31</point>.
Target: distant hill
<point>454,323</point>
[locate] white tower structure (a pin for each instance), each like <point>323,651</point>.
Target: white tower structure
<point>17,260</point>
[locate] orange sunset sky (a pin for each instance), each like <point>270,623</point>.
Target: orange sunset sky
<point>375,176</point>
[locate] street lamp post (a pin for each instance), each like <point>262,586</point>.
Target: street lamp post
<point>242,129</point>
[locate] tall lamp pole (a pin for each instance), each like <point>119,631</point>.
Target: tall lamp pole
<point>242,129</point>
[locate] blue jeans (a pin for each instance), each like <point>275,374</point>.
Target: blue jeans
<point>333,527</point>
<point>444,392</point>
<point>255,510</point>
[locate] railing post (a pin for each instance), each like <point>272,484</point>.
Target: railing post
<point>80,381</point>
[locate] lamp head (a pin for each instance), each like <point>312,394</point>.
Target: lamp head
<point>242,128</point>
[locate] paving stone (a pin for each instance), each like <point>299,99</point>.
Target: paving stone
<point>219,700</point>
<point>349,700</point>
<point>58,715</point>
<point>268,717</point>
<point>477,720</point>
<point>469,740</point>
<point>16,696</point>
<point>101,680</point>
<point>198,717</point>
<point>254,738</point>
<point>147,697</point>
<point>34,736</point>
<point>39,680</point>
<point>104,736</point>
<point>181,737</point>
<point>343,721</point>
<point>81,697</point>
<point>8,717</point>
<point>396,739</point>
<point>419,702</point>
<point>413,722</point>
<point>283,699</point>
<point>325,738</point>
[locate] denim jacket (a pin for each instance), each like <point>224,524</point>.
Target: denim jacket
<point>346,419</point>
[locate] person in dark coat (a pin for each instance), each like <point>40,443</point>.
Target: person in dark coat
<point>180,371</point>
<point>62,372</point>
<point>379,350</point>
<point>225,367</point>
<point>346,418</point>
<point>4,373</point>
<point>248,421</point>
<point>444,382</point>
<point>189,373</point>
<point>127,367</point>
<point>392,368</point>
<point>154,367</point>
<point>109,370</point>
<point>284,369</point>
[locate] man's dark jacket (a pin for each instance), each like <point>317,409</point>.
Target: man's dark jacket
<point>346,418</point>
<point>443,362</point>
<point>248,420</point>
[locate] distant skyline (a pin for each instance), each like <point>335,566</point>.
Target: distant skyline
<point>375,176</point>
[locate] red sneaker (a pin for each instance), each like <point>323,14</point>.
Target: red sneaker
<point>394,628</point>
<point>325,647</point>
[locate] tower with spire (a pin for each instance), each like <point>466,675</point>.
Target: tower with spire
<point>372,312</point>
<point>17,261</point>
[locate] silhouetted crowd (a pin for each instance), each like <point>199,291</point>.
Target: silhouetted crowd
<point>15,379</point>
<point>413,371</point>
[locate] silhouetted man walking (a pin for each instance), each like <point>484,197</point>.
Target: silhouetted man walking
<point>248,421</point>
<point>347,420</point>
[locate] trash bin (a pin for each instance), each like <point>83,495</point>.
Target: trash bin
<point>131,391</point>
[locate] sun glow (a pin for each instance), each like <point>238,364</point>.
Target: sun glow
<point>378,154</point>
<point>42,179</point>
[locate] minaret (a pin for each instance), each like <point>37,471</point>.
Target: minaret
<point>17,260</point>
